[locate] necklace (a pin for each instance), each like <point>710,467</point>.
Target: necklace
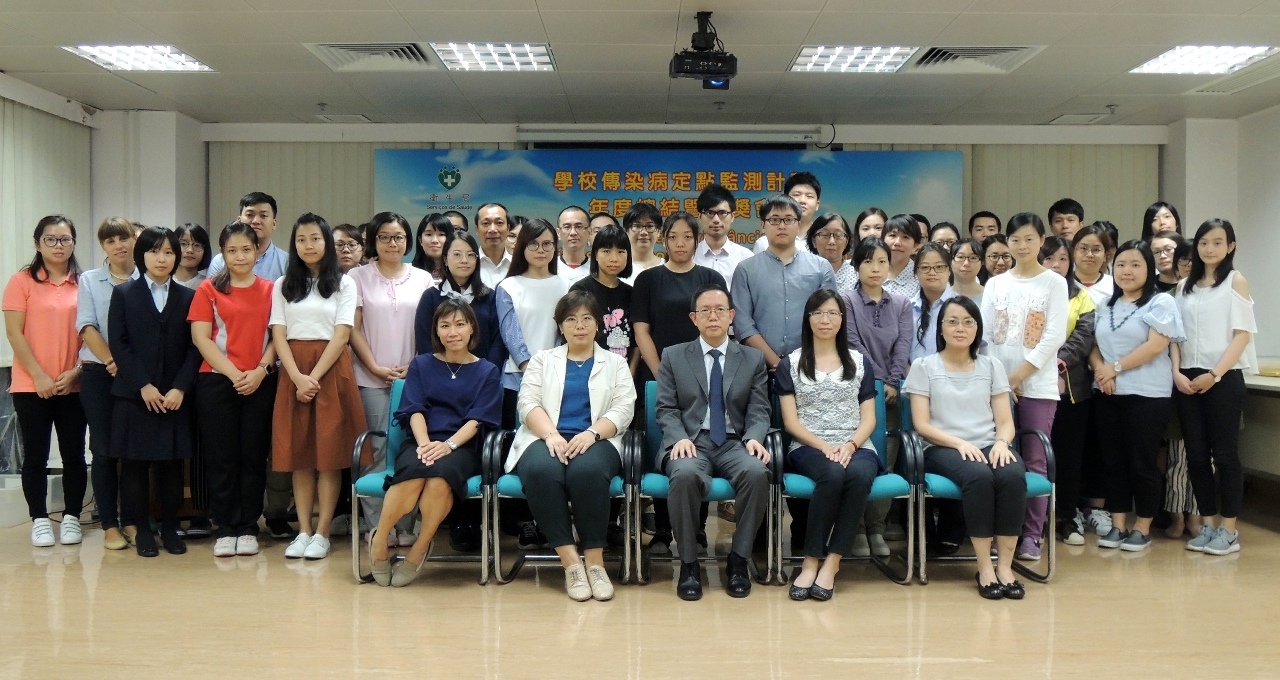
<point>120,279</point>
<point>582,363</point>
<point>453,373</point>
<point>1112,318</point>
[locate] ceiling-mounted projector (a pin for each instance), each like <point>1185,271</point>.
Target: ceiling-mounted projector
<point>706,59</point>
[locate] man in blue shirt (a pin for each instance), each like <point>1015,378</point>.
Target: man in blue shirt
<point>258,210</point>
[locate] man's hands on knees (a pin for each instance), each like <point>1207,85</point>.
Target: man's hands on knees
<point>684,449</point>
<point>758,450</point>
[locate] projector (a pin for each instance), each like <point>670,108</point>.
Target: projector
<point>706,59</point>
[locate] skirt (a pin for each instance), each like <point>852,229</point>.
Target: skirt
<point>319,434</point>
<point>140,434</point>
<point>455,468</point>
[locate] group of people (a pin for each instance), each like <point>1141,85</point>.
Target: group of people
<point>256,368</point>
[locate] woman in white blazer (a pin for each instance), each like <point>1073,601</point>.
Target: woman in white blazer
<point>576,401</point>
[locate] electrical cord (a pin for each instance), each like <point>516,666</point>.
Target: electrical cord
<point>828,144</point>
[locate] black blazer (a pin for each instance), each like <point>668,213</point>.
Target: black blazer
<point>149,346</point>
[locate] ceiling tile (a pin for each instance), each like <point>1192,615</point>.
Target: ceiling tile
<point>377,87</point>
<point>43,58</point>
<point>209,27</point>
<point>1270,7</point>
<point>1229,7</point>
<point>499,84</point>
<point>1149,83</point>
<point>11,6</point>
<point>306,108</point>
<point>464,26</point>
<point>1042,6</point>
<point>1009,29</point>
<point>1062,85</point>
<point>752,28</point>
<point>765,58</point>
<point>245,109</point>
<point>173,85</point>
<point>705,104</point>
<point>1135,29</point>
<point>10,36</point>
<point>542,108</point>
<point>1026,104</point>
<point>260,58</point>
<point>319,5</point>
<point>596,5</point>
<point>82,28</point>
<point>176,5</point>
<point>600,57</point>
<point>609,108</point>
<point>615,27</point>
<point>479,5</point>
<point>954,6</point>
<point>805,85</point>
<point>101,90</point>
<point>962,117</point>
<point>1250,30</point>
<point>894,104</point>
<point>782,110</point>
<point>309,84</point>
<point>861,28</point>
<point>1069,59</point>
<point>934,84</point>
<point>590,83</point>
<point>316,27</point>
<point>743,83</point>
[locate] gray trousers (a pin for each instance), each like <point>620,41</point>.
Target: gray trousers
<point>691,479</point>
<point>377,412</point>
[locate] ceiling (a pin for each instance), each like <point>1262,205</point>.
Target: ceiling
<point>612,59</point>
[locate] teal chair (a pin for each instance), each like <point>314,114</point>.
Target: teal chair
<point>508,485</point>
<point>897,484</point>
<point>930,485</point>
<point>371,486</point>
<point>649,483</point>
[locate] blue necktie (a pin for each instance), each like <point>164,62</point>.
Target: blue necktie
<point>715,401</point>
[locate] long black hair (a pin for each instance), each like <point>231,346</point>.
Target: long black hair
<point>1053,244</point>
<point>222,280</point>
<point>441,223</point>
<point>1197,265</point>
<point>1148,232</point>
<point>969,306</point>
<point>976,246</point>
<point>805,366</point>
<point>531,230</point>
<point>297,282</point>
<point>37,263</point>
<point>475,284</point>
<point>1148,286</point>
<point>925,305</point>
<point>199,235</point>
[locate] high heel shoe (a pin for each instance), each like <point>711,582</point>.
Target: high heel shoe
<point>1012,590</point>
<point>381,569</point>
<point>991,591</point>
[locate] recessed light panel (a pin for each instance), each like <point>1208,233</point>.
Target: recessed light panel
<point>1205,59</point>
<point>471,56</point>
<point>138,57</point>
<point>855,59</point>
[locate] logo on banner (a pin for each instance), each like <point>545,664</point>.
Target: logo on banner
<point>449,177</point>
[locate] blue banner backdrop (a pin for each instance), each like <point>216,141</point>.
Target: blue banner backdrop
<point>539,183</point>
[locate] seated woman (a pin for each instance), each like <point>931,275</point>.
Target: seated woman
<point>576,400</point>
<point>828,398</point>
<point>448,418</point>
<point>960,405</point>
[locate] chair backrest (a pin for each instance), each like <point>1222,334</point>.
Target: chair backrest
<point>904,412</point>
<point>396,435</point>
<point>652,433</point>
<point>879,436</point>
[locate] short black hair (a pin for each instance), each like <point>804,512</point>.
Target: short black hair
<point>971,308</point>
<point>595,216</point>
<point>705,288</point>
<point>925,224</point>
<point>681,216</point>
<point>506,214</point>
<point>802,179</point>
<point>151,239</point>
<point>905,224</point>
<point>1024,219</point>
<point>1066,206</point>
<point>712,196</point>
<point>866,250</point>
<point>1148,285</point>
<point>985,213</point>
<point>258,198</point>
<point>611,236</point>
<point>455,213</point>
<point>448,307</point>
<point>776,202</point>
<point>639,210</point>
<point>577,208</point>
<point>199,235</point>
<point>811,238</point>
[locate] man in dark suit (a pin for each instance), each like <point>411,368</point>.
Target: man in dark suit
<point>713,408</point>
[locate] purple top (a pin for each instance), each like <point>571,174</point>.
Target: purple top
<point>881,331</point>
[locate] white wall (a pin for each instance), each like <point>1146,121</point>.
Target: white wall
<point>1259,211</point>
<point>1199,169</point>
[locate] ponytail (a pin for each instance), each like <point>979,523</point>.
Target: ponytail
<point>222,280</point>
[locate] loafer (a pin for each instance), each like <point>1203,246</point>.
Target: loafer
<point>381,569</point>
<point>689,586</point>
<point>405,574</point>
<point>1012,591</point>
<point>173,543</point>
<point>575,583</point>
<point>739,582</point>
<point>991,591</point>
<point>114,540</point>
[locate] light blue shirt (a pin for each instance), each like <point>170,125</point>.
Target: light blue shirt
<point>1122,328</point>
<point>770,296</point>
<point>93,305</point>
<point>929,345</point>
<point>270,266</point>
<point>159,292</point>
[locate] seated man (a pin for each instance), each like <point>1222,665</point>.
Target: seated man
<point>713,408</point>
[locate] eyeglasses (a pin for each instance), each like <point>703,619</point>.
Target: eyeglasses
<point>722,214</point>
<point>1166,251</point>
<point>545,246</point>
<point>53,241</point>
<point>831,235</point>
<point>825,314</point>
<point>190,245</point>
<point>467,256</point>
<point>779,221</point>
<point>493,223</point>
<point>573,227</point>
<point>971,259</point>
<point>954,322</point>
<point>1095,252</point>
<point>348,245</point>
<point>1006,257</point>
<point>933,269</point>
<point>945,243</point>
<point>714,311</point>
<point>397,239</point>
<point>584,320</point>
<point>646,228</point>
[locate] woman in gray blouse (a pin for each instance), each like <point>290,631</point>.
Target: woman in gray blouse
<point>960,405</point>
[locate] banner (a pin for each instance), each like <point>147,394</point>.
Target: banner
<point>539,183</point>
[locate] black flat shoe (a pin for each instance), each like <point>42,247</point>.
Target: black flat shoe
<point>689,586</point>
<point>145,543</point>
<point>1012,591</point>
<point>821,594</point>
<point>798,593</point>
<point>992,591</point>
<point>739,583</point>
<point>173,543</point>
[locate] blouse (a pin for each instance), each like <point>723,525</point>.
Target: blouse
<point>388,308</point>
<point>846,278</point>
<point>314,317</point>
<point>1026,320</point>
<point>881,331</point>
<point>960,403</point>
<point>1123,327</point>
<point>94,304</point>
<point>525,319</point>
<point>50,326</point>
<point>240,321</point>
<point>449,397</point>
<point>905,284</point>
<point>1210,317</point>
<point>828,405</point>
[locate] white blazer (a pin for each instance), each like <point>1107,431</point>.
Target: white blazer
<point>613,394</point>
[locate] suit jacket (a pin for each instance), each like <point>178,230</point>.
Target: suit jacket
<point>682,393</point>
<point>613,394</point>
<point>149,346</point>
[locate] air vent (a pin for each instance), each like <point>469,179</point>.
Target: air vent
<point>973,59</point>
<point>1078,118</point>
<point>343,118</point>
<point>1245,78</point>
<point>364,57</point>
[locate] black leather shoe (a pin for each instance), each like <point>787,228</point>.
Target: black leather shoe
<point>145,543</point>
<point>991,591</point>
<point>1012,591</point>
<point>739,582</point>
<point>173,543</point>
<point>821,594</point>
<point>689,587</point>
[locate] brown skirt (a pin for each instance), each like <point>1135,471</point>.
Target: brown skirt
<point>319,434</point>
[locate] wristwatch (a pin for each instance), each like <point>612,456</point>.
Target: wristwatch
<point>1216,378</point>
<point>452,446</point>
<point>592,430</point>
<point>269,368</point>
<point>1118,368</point>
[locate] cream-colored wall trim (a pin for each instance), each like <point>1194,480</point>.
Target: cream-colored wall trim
<point>40,99</point>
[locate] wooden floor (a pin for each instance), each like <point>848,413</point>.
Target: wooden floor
<point>82,612</point>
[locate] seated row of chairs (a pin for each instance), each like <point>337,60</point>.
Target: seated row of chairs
<point>640,481</point>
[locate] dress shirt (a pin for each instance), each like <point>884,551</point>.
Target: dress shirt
<point>770,297</point>
<point>94,304</point>
<point>725,261</point>
<point>493,272</point>
<point>706,360</point>
<point>159,292</point>
<point>270,266</point>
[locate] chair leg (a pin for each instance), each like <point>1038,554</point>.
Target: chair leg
<point>356,542</point>
<point>904,578</point>
<point>921,557</point>
<point>624,574</point>
<point>643,562</point>
<point>486,526</point>
<point>1052,545</point>
<point>771,528</point>
<point>775,541</point>
<point>507,576</point>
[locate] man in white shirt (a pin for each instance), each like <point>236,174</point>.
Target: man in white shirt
<point>492,223</point>
<point>258,210</point>
<point>717,251</point>
<point>574,226</point>
<point>806,190</point>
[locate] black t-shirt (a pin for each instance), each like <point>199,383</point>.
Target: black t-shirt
<point>615,305</point>
<point>1162,287</point>
<point>663,299</point>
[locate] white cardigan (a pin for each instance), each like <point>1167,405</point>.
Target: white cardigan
<point>613,394</point>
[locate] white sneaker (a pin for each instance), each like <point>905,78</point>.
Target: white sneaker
<point>247,545</point>
<point>225,547</point>
<point>42,533</point>
<point>1100,521</point>
<point>70,533</point>
<point>317,548</point>
<point>298,547</point>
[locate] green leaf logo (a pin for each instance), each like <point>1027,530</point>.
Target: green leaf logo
<point>449,177</point>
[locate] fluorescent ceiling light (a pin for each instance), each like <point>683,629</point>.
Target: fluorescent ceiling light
<point>138,57</point>
<point>851,58</point>
<point>471,56</point>
<point>1205,59</point>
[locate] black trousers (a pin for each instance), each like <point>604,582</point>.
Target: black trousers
<point>1130,429</point>
<point>235,440</point>
<point>98,404</point>
<point>136,481</point>
<point>550,486</point>
<point>1068,438</point>
<point>1093,466</point>
<point>1211,432</point>
<point>995,499</point>
<point>37,419</point>
<point>838,501</point>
